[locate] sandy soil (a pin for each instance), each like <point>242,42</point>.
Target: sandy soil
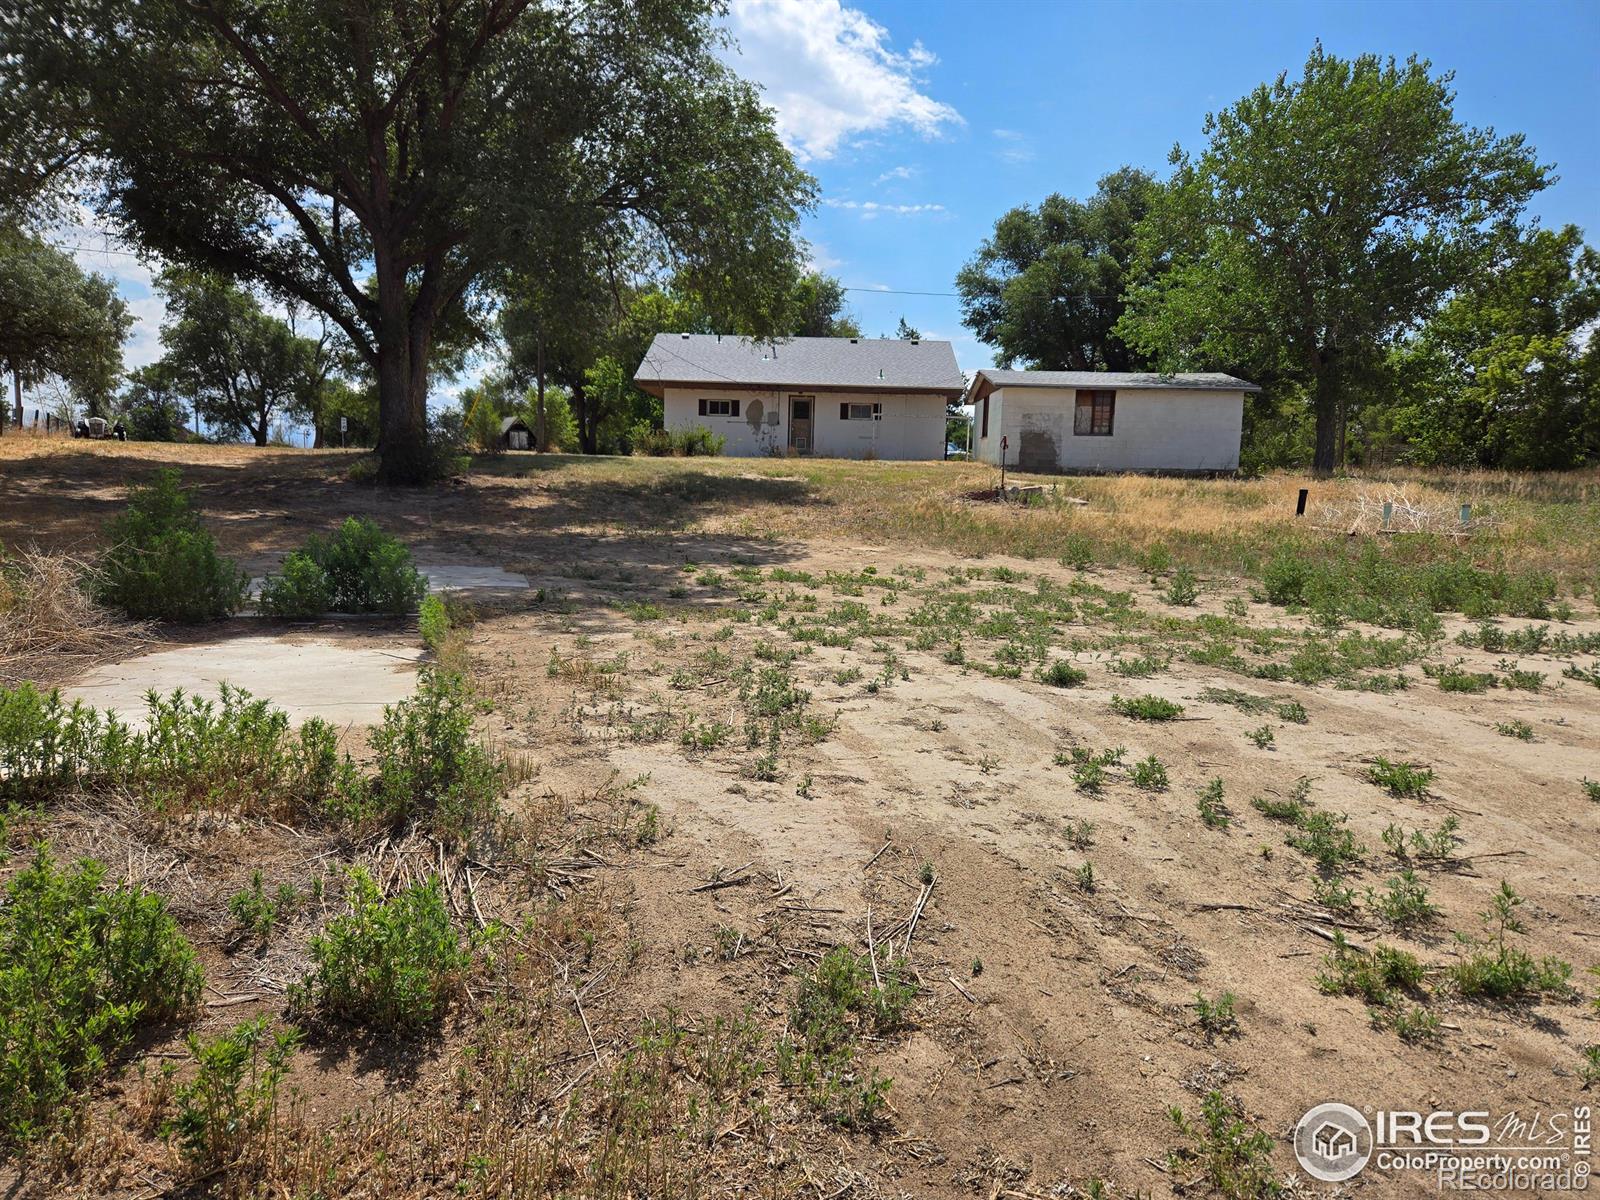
<point>1063,1055</point>
<point>1055,1062</point>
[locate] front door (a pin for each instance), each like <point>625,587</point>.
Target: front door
<point>800,424</point>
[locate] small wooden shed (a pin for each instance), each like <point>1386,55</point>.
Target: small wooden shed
<point>515,434</point>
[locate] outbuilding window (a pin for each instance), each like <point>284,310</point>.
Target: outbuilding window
<point>984,432</point>
<point>1094,413</point>
<point>860,412</point>
<point>719,408</point>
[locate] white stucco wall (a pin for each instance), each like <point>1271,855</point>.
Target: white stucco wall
<point>1172,429</point>
<point>912,426</point>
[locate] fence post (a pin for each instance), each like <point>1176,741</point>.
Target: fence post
<point>1388,511</point>
<point>1300,504</point>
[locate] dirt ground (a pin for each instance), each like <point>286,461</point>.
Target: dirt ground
<point>1056,1021</point>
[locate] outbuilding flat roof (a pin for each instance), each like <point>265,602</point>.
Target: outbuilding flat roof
<point>820,363</point>
<point>989,379</point>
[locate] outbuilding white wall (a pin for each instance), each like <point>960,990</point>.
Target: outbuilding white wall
<point>1157,429</point>
<point>912,426</point>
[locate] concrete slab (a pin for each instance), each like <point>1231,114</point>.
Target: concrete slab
<point>450,577</point>
<point>345,682</point>
<point>457,577</point>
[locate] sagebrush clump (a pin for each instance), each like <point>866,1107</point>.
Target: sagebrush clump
<point>82,969</point>
<point>388,965</point>
<point>162,565</point>
<point>360,569</point>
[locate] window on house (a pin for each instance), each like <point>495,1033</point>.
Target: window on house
<point>1094,413</point>
<point>860,412</point>
<point>719,408</point>
<point>984,432</point>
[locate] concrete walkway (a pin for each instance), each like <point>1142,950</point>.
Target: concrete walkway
<point>345,682</point>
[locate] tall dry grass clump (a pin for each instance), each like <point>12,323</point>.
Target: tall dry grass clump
<point>47,618</point>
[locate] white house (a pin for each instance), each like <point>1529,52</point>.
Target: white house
<point>1045,421</point>
<point>842,397</point>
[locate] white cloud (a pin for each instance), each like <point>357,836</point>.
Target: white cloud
<point>871,208</point>
<point>1014,147</point>
<point>897,173</point>
<point>830,74</point>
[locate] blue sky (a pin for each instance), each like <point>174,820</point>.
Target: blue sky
<point>924,120</point>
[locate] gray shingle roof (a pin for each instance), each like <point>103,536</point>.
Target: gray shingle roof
<point>1192,380</point>
<point>864,364</point>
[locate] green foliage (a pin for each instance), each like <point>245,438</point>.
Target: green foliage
<point>431,770</point>
<point>1507,373</point>
<point>1591,788</point>
<point>1404,903</point>
<point>241,367</point>
<point>433,622</point>
<point>233,1096</point>
<point>1436,846</point>
<point>1149,774</point>
<point>833,1006</point>
<point>1182,590</point>
<point>1146,708</point>
<point>1518,729</point>
<point>57,321</point>
<point>256,912</point>
<point>301,590</point>
<point>385,253</point>
<point>1062,674</point>
<point>1374,977</point>
<point>81,970</point>
<point>1263,737</point>
<point>1213,811</point>
<point>1401,779</point>
<point>360,569</point>
<point>1378,585</point>
<point>1495,969</point>
<point>1046,286</point>
<point>1237,268</point>
<point>1216,1017</point>
<point>237,754</point>
<point>1323,838</point>
<point>162,565</point>
<point>389,966</point>
<point>679,443</point>
<point>1233,1158</point>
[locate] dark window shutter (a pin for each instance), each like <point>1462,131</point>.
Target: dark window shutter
<point>736,408</point>
<point>985,431</point>
<point>702,408</point>
<point>844,412</point>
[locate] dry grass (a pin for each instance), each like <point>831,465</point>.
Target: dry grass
<point>48,623</point>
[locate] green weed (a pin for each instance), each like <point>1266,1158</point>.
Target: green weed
<point>1146,708</point>
<point>1400,779</point>
<point>388,965</point>
<point>1149,774</point>
<point>82,969</point>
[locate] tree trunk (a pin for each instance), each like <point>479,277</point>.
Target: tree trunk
<point>543,434</point>
<point>1326,399</point>
<point>588,423</point>
<point>402,399</point>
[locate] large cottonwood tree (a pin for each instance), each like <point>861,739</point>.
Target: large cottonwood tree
<point>1326,216</point>
<point>378,162</point>
<point>1045,288</point>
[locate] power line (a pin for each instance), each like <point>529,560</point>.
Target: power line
<point>896,292</point>
<point>93,249</point>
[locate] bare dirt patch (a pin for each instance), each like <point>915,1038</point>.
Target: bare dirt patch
<point>755,715</point>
